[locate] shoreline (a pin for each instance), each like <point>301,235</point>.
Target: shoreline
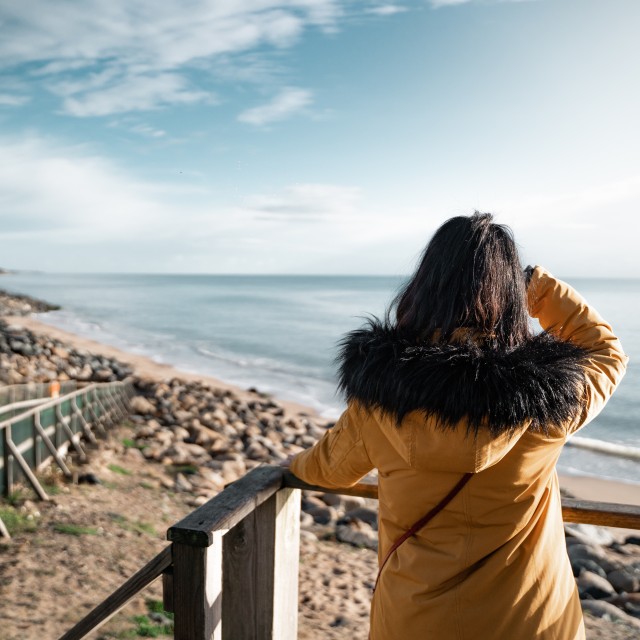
<point>582,487</point>
<point>144,366</point>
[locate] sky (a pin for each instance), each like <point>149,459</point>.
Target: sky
<point>316,136</point>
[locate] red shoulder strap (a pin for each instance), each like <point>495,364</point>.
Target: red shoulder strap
<point>424,520</point>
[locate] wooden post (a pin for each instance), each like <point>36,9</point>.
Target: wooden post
<point>287,558</point>
<point>167,590</point>
<point>260,572</point>
<point>74,438</point>
<point>197,559</point>
<point>8,461</point>
<point>83,423</point>
<point>248,575</point>
<point>52,450</point>
<point>197,590</point>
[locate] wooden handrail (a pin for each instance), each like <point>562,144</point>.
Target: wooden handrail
<point>228,508</point>
<point>119,598</point>
<point>606,514</point>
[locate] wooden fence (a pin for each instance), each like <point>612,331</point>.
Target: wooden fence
<point>231,571</point>
<point>33,436</point>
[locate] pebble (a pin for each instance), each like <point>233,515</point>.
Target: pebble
<point>623,580</point>
<point>593,585</point>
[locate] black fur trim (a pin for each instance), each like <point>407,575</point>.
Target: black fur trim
<point>541,380</point>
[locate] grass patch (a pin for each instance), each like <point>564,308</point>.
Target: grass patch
<point>137,526</point>
<point>149,629</point>
<point>52,489</point>
<point>75,529</point>
<point>129,443</point>
<point>17,522</point>
<point>156,606</point>
<point>184,468</point>
<point>16,497</point>
<point>116,468</point>
<point>147,485</point>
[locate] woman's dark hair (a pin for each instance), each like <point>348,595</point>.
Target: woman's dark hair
<point>469,276</point>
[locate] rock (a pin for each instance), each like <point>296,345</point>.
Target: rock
<point>591,584</point>
<point>309,503</point>
<point>13,377</point>
<point>232,470</point>
<point>180,433</point>
<point>88,478</point>
<point>332,500</point>
<point>104,375</point>
<point>183,452</point>
<point>213,478</point>
<point>578,565</point>
<point>256,451</point>
<point>182,417</point>
<point>203,435</point>
<point>182,484</point>
<point>624,580</point>
<point>352,502</point>
<point>362,514</point>
<point>141,405</point>
<point>358,534</point>
<point>597,554</point>
<point>61,352</point>
<point>306,519</point>
<point>590,534</point>
<point>308,536</point>
<point>133,453</point>
<point>601,609</point>
<point>630,602</point>
<point>323,515</point>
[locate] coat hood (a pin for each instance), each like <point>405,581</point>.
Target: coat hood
<point>468,394</point>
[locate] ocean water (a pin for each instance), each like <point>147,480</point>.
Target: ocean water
<point>279,333</point>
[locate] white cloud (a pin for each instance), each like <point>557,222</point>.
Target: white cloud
<point>387,10</point>
<point>47,187</point>
<point>121,53</point>
<point>311,201</point>
<point>10,100</point>
<point>135,93</point>
<point>289,101</point>
<point>437,4</point>
<point>147,130</point>
<point>447,3</point>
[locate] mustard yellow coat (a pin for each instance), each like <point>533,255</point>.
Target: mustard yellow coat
<point>492,565</point>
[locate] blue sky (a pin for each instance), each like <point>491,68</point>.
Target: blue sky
<point>315,136</point>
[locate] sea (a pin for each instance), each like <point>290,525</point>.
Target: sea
<point>280,333</point>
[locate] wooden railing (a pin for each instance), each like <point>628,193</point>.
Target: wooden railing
<point>31,437</point>
<point>231,571</point>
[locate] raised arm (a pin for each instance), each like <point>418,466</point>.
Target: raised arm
<point>339,458</point>
<point>561,310</point>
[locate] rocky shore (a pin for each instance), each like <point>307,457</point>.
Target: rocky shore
<point>12,304</point>
<point>210,437</point>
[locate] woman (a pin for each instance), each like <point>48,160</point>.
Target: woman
<point>458,392</point>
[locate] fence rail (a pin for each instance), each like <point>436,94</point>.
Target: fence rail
<point>33,390</point>
<point>36,435</point>
<point>231,571</point>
